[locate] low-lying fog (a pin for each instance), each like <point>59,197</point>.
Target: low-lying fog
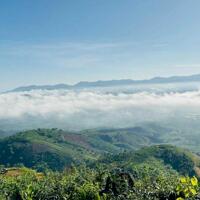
<point>175,104</point>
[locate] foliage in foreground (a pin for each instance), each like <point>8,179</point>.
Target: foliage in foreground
<point>152,173</point>
<point>147,181</point>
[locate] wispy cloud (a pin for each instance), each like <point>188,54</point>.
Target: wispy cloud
<point>20,49</point>
<point>62,54</point>
<point>73,54</point>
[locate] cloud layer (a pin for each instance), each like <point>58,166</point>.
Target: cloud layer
<point>91,109</point>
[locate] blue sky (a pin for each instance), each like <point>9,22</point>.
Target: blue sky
<point>66,41</point>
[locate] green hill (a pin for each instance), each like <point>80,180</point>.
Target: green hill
<point>154,172</point>
<point>55,149</point>
<point>181,160</point>
<point>49,147</point>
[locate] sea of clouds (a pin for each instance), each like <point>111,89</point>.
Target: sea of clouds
<point>86,109</point>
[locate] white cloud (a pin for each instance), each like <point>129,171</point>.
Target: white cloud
<point>90,109</point>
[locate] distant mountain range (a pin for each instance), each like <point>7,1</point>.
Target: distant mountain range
<point>110,83</point>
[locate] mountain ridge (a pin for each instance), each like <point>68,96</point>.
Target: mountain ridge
<point>109,83</point>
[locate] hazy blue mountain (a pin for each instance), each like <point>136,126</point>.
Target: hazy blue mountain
<point>40,87</point>
<point>110,83</point>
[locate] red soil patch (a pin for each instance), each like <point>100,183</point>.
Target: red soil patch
<point>77,139</point>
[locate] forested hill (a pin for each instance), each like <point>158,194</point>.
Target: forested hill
<point>56,149</point>
<point>91,165</point>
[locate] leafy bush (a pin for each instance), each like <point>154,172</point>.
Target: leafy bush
<point>147,183</point>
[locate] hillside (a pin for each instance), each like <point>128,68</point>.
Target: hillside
<point>181,160</point>
<point>151,173</point>
<point>52,148</point>
<point>116,140</point>
<point>90,171</point>
<point>55,149</point>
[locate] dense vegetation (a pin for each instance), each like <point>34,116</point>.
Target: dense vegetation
<point>44,148</point>
<point>145,181</point>
<point>70,166</point>
<point>56,148</point>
